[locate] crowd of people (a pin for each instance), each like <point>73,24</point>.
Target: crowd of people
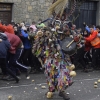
<point>29,48</point>
<point>88,53</point>
<point>16,51</point>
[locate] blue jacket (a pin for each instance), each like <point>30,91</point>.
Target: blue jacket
<point>4,46</point>
<point>26,41</point>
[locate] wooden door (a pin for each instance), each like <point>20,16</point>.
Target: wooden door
<point>6,13</point>
<point>87,14</point>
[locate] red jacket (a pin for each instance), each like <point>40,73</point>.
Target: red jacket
<point>9,28</point>
<point>91,37</point>
<point>14,41</point>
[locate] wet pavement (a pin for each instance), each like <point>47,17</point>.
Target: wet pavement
<point>30,89</point>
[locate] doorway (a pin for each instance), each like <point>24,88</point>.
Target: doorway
<point>5,13</point>
<point>87,14</point>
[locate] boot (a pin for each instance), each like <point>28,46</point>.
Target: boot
<point>13,75</point>
<point>64,95</point>
<point>10,78</point>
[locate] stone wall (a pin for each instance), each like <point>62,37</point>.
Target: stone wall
<point>27,10</point>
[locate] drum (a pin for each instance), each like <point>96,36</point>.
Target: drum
<point>69,46</point>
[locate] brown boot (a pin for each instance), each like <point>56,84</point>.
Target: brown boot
<point>64,95</point>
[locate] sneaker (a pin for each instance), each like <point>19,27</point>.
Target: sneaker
<point>4,77</point>
<point>11,79</point>
<point>28,71</point>
<point>64,95</point>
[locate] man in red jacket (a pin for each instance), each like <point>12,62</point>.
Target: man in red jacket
<point>15,42</point>
<point>95,45</point>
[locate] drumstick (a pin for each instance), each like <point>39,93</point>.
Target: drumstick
<point>70,43</point>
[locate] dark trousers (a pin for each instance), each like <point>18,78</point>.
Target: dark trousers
<point>37,64</point>
<point>13,62</point>
<point>29,59</point>
<point>87,57</point>
<point>79,58</point>
<point>95,57</point>
<point>5,69</point>
<point>26,57</point>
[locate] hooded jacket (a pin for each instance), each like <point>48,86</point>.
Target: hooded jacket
<point>33,27</point>
<point>15,42</point>
<point>4,45</point>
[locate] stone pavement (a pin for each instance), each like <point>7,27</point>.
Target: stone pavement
<point>26,89</point>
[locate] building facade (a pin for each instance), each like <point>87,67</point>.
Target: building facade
<point>24,10</point>
<point>28,10</point>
